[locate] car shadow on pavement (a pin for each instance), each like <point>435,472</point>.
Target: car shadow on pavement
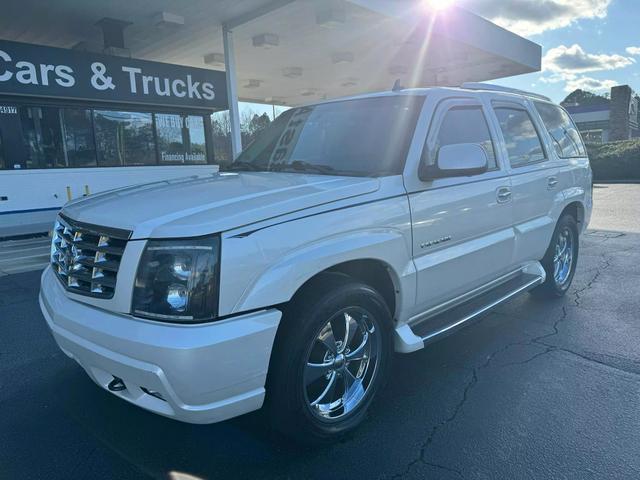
<point>427,394</point>
<point>535,389</point>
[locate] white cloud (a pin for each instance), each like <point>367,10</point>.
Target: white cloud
<point>530,17</point>
<point>568,65</point>
<point>574,59</point>
<point>633,50</point>
<point>556,78</point>
<point>588,83</point>
<point>573,82</point>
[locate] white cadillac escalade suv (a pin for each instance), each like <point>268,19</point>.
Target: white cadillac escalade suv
<point>349,230</point>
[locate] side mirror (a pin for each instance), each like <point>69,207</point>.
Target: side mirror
<point>459,160</point>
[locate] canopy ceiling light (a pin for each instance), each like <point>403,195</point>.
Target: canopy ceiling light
<point>342,57</point>
<point>166,19</point>
<point>292,72</point>
<point>252,83</point>
<point>266,40</point>
<point>349,82</point>
<point>214,59</point>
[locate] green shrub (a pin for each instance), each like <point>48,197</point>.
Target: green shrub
<point>615,160</point>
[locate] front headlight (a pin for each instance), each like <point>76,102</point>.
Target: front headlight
<point>177,280</point>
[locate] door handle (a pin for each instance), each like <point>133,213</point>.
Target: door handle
<point>504,194</point>
<point>552,182</point>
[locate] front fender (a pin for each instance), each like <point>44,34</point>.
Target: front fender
<point>281,280</point>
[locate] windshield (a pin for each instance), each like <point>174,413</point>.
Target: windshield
<point>365,137</point>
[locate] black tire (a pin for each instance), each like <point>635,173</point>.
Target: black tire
<point>552,288</point>
<point>304,319</point>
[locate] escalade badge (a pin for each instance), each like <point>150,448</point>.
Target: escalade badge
<point>431,243</point>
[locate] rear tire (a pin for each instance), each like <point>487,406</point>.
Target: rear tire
<point>560,260</point>
<point>332,354</point>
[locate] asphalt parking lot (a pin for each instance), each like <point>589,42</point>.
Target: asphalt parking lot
<point>535,390</point>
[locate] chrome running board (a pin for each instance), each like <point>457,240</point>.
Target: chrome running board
<point>445,323</point>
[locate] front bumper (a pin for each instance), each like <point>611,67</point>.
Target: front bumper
<point>204,373</point>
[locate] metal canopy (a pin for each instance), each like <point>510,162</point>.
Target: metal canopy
<point>291,52</point>
<point>285,52</point>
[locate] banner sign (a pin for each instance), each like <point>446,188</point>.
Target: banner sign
<point>35,70</point>
<point>290,135</point>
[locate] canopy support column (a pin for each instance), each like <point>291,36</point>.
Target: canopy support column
<point>232,91</point>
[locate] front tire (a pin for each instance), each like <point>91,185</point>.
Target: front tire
<point>332,354</point>
<point>560,260</point>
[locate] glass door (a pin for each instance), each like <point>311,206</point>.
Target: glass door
<point>42,134</point>
<point>12,152</point>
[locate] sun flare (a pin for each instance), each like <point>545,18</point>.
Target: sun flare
<point>437,4</point>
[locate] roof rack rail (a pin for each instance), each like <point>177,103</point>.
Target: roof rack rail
<point>498,88</point>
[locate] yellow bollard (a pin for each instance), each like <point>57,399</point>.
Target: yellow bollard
<point>68,193</point>
<point>86,191</point>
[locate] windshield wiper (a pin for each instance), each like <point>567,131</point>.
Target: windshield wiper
<point>302,166</point>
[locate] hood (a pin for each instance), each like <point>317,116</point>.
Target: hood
<point>208,204</point>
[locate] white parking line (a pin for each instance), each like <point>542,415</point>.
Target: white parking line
<point>8,254</point>
<point>18,256</point>
<point>27,242</point>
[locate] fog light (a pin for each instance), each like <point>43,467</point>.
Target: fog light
<point>116,385</point>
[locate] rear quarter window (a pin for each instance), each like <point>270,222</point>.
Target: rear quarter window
<point>520,136</point>
<point>564,134</point>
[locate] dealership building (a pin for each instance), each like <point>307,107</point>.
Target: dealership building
<point>609,120</point>
<point>101,95</point>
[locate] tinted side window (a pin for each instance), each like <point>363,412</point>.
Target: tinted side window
<point>563,132</point>
<point>464,125</point>
<point>520,136</point>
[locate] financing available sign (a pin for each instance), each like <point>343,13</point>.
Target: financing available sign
<point>34,70</point>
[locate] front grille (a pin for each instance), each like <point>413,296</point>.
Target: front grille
<point>86,258</point>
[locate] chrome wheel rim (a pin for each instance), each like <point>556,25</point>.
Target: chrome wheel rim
<point>341,364</point>
<point>563,257</point>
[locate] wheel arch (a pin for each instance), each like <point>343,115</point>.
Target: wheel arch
<point>380,259</point>
<point>371,271</point>
<point>577,211</point>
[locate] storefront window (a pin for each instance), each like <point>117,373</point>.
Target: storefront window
<point>58,136</point>
<point>592,136</point>
<point>3,164</point>
<point>78,137</point>
<point>197,143</point>
<point>42,136</point>
<point>221,133</point>
<point>181,139</point>
<point>124,138</point>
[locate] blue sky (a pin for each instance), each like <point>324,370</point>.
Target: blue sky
<point>589,44</point>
